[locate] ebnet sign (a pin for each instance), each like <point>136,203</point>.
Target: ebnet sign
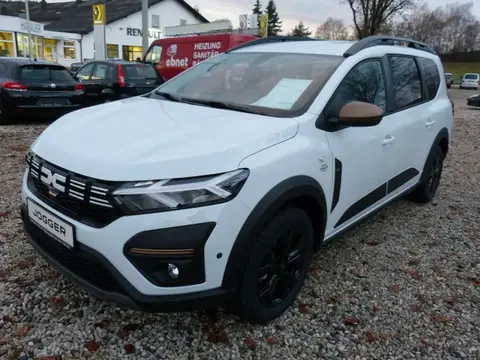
<point>201,51</point>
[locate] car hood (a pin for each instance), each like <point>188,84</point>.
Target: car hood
<point>141,138</point>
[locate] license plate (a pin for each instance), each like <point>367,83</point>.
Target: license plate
<point>51,224</point>
<point>53,102</point>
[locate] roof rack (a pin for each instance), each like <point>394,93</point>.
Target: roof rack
<point>271,40</point>
<point>379,40</point>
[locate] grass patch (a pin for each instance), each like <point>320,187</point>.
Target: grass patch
<point>458,69</point>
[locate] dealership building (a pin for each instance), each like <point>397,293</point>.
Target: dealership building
<point>63,32</point>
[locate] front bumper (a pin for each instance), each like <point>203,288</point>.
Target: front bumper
<point>98,262</point>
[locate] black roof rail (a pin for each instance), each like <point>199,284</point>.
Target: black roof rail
<point>270,40</point>
<point>379,40</point>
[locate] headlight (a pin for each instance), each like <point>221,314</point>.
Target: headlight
<point>174,194</point>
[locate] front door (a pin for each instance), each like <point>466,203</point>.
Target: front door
<point>361,154</point>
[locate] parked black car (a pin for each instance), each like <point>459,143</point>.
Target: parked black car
<point>75,66</point>
<point>40,88</point>
<point>111,80</point>
<point>474,100</point>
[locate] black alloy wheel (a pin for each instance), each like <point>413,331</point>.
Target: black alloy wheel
<point>435,174</point>
<point>281,267</point>
<point>427,189</point>
<point>277,267</point>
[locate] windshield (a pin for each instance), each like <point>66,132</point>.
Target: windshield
<point>42,73</point>
<point>471,77</point>
<point>274,84</point>
<point>139,72</point>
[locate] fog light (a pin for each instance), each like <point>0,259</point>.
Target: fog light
<point>173,271</point>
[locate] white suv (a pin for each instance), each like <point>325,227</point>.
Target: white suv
<point>217,188</point>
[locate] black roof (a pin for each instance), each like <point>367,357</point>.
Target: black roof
<point>76,16</point>
<point>26,61</point>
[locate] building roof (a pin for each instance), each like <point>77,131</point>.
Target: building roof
<point>76,16</point>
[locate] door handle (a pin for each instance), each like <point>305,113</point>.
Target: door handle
<point>388,140</point>
<point>429,123</point>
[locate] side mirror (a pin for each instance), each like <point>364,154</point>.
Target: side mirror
<point>358,113</point>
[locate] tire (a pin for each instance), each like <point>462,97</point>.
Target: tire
<point>5,119</point>
<point>427,189</point>
<point>284,279</point>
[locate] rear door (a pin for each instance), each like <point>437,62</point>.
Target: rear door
<point>84,75</point>
<point>140,79</point>
<point>101,81</point>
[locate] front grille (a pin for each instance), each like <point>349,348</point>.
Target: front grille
<point>77,260</point>
<point>78,197</point>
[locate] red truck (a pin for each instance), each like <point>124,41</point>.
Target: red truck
<point>171,56</point>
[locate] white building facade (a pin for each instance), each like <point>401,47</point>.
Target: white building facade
<point>54,46</point>
<point>123,36</point>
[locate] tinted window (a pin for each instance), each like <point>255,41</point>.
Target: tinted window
<point>138,72</point>
<point>471,77</point>
<point>3,69</point>
<point>274,84</point>
<point>432,76</point>
<point>100,72</point>
<point>85,72</point>
<point>44,73</point>
<point>365,82</point>
<point>406,81</point>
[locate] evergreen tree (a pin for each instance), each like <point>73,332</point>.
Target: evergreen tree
<point>301,30</point>
<point>257,8</point>
<point>274,23</point>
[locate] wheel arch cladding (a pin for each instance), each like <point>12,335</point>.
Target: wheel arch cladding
<point>301,191</point>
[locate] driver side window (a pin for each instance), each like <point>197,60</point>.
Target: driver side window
<point>365,82</point>
<point>85,72</point>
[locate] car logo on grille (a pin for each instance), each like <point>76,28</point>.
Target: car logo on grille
<point>54,181</point>
<point>53,86</point>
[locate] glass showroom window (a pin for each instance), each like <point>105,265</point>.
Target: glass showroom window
<point>23,47</point>
<point>7,46</point>
<point>69,52</point>
<point>112,51</point>
<point>49,49</point>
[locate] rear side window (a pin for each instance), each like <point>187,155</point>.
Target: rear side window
<point>431,75</point>
<point>407,85</point>
<point>139,72</point>
<point>44,73</point>
<point>3,69</point>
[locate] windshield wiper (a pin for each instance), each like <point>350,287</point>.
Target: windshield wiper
<point>222,105</point>
<point>169,96</point>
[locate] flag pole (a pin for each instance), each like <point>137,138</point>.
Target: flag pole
<point>27,15</point>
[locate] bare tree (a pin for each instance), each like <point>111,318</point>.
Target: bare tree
<point>452,28</point>
<point>332,29</point>
<point>369,16</point>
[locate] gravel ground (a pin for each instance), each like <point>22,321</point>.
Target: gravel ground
<point>404,285</point>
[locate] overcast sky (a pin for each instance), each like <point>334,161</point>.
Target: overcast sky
<point>311,12</point>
